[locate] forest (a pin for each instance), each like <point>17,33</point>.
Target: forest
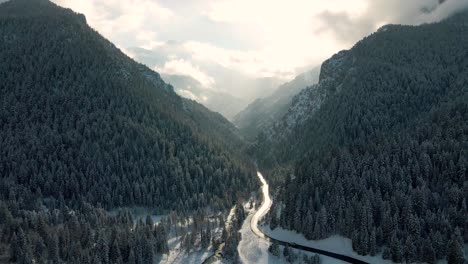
<point>377,151</point>
<point>384,157</point>
<point>84,130</point>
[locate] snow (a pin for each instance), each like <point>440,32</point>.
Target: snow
<point>216,257</point>
<point>264,208</point>
<point>335,244</point>
<point>140,213</point>
<point>156,218</point>
<point>229,218</point>
<point>254,249</point>
<point>177,255</point>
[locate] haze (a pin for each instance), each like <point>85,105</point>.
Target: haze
<point>244,48</point>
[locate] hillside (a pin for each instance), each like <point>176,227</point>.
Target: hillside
<point>217,101</point>
<point>83,127</point>
<point>264,112</point>
<point>379,146</point>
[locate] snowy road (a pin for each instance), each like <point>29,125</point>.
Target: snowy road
<point>264,208</point>
<point>247,250</point>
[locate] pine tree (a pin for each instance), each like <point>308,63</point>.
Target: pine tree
<point>410,250</point>
<point>373,243</point>
<point>21,250</point>
<point>15,248</point>
<point>455,253</point>
<point>103,250</point>
<point>317,259</point>
<point>274,249</point>
<point>53,248</point>
<point>114,252</point>
<point>428,253</point>
<point>149,221</point>
<point>286,251</point>
<point>131,257</point>
<point>396,249</point>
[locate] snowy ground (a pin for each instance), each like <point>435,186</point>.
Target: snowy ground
<point>140,213</point>
<point>253,249</point>
<point>178,255</point>
<point>335,244</point>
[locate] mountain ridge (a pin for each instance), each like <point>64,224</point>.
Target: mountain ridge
<point>72,73</point>
<point>263,112</point>
<point>377,152</point>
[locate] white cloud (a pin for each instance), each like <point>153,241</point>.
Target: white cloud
<point>218,41</point>
<point>289,29</point>
<point>188,94</point>
<point>131,19</point>
<point>183,67</point>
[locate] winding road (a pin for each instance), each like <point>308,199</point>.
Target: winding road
<point>263,210</point>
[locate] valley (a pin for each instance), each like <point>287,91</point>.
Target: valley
<point>121,145</point>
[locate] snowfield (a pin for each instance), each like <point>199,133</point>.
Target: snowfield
<point>335,244</point>
<point>252,249</point>
<point>177,255</point>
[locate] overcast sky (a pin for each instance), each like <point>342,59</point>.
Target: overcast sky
<point>259,38</point>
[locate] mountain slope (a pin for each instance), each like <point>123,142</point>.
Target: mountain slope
<point>379,146</point>
<point>84,130</point>
<point>262,113</point>
<point>220,102</point>
<point>82,121</point>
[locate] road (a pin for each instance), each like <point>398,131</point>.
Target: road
<point>263,210</point>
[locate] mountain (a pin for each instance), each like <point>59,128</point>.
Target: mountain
<point>220,102</point>
<point>378,148</point>
<point>263,112</point>
<point>73,102</point>
<point>84,128</point>
<point>234,86</point>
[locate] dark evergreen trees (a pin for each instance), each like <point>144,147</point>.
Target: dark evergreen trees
<point>274,249</point>
<point>80,120</point>
<point>382,157</point>
<point>84,128</point>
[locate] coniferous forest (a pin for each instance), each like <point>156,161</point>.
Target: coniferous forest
<point>376,152</point>
<point>83,130</point>
<point>385,156</point>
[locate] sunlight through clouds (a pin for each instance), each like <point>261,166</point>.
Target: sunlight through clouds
<point>183,67</point>
<point>252,39</point>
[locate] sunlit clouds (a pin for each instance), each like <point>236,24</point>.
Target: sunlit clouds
<point>255,38</point>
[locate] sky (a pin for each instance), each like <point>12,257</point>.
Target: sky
<point>217,41</point>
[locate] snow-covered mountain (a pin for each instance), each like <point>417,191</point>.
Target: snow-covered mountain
<point>264,112</point>
<point>217,101</point>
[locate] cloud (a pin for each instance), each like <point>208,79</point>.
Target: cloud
<point>443,11</point>
<point>228,44</point>
<point>123,22</point>
<point>349,29</point>
<point>289,30</point>
<point>261,38</point>
<point>188,94</point>
<point>183,67</point>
